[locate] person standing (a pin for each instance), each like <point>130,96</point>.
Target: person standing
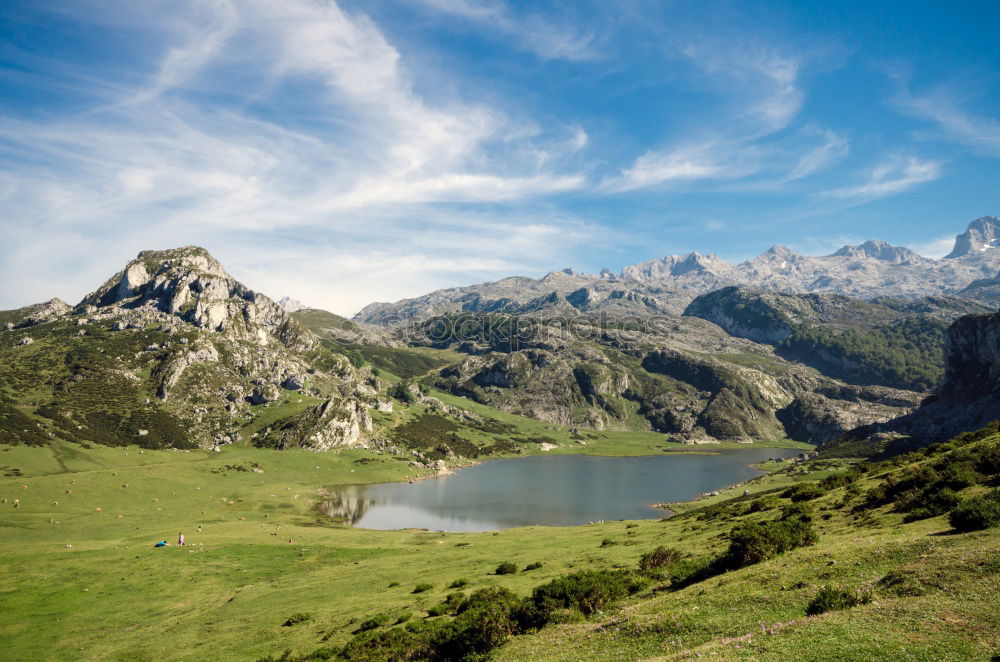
<point>180,539</point>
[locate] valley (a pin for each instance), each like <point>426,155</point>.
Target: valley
<point>537,438</point>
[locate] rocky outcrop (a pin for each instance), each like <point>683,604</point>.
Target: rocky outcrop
<point>37,313</point>
<point>335,423</point>
<point>981,235</point>
<point>881,250</point>
<point>189,284</point>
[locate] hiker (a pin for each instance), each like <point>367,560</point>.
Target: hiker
<point>180,539</point>
<point>162,543</point>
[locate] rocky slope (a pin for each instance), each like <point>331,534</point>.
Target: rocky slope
<point>682,376</point>
<point>666,285</point>
<point>173,351</point>
<point>969,395</point>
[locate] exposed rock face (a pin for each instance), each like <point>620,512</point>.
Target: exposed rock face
<point>190,284</point>
<point>968,397</point>
<point>666,285</point>
<point>982,234</point>
<point>37,313</point>
<point>880,250</point>
<point>335,423</point>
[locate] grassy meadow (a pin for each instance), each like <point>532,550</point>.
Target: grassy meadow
<point>263,572</point>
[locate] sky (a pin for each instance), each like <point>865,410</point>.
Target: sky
<point>356,151</point>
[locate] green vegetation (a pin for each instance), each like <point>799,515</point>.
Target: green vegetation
<point>977,512</point>
<point>506,568</point>
<point>907,353</point>
<point>833,599</point>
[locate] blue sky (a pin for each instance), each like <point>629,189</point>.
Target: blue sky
<point>343,153</point>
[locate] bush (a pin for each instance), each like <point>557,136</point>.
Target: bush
<point>532,566</point>
<point>449,606</point>
<point>978,512</point>
<point>404,617</point>
<point>803,492</point>
<point>608,542</point>
<point>753,542</point>
<point>295,619</point>
<point>484,621</point>
<point>587,591</point>
<point>506,568</point>
<point>420,588</point>
<point>834,599</point>
<point>459,583</point>
<point>660,557</point>
<point>936,504</point>
<point>765,503</point>
<point>373,623</point>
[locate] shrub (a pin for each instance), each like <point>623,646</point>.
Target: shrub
<point>608,542</point>
<point>373,623</point>
<point>803,492</point>
<point>449,606</point>
<point>978,512</point>
<point>587,591</point>
<point>485,620</point>
<point>659,558</point>
<point>295,619</point>
<point>834,599</point>
<point>404,617</point>
<point>753,542</point>
<point>935,504</point>
<point>420,588</point>
<point>532,566</point>
<point>459,583</point>
<point>765,503</point>
<point>506,568</point>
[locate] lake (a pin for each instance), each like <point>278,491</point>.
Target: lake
<point>554,490</point>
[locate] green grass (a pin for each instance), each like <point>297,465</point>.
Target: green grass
<point>263,556</point>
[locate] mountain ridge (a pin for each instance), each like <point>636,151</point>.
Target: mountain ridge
<point>668,284</point>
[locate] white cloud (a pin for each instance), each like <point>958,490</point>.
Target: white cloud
<point>935,248</point>
<point>891,177</point>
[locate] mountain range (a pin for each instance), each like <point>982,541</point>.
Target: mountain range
<point>667,285</point>
<point>872,342</point>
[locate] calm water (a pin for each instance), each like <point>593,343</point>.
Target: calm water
<point>556,490</point>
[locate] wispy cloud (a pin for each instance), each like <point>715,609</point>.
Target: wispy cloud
<point>164,164</point>
<point>545,36</point>
<point>761,88</point>
<point>892,177</point>
<point>942,106</point>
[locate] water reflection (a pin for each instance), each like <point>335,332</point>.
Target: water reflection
<point>555,490</point>
<point>347,503</point>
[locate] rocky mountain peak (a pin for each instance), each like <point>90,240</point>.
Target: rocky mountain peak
<point>291,305</point>
<point>678,265</point>
<point>189,284</point>
<point>982,234</point>
<point>880,250</point>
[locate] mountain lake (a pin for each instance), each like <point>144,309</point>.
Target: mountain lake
<point>550,490</point>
